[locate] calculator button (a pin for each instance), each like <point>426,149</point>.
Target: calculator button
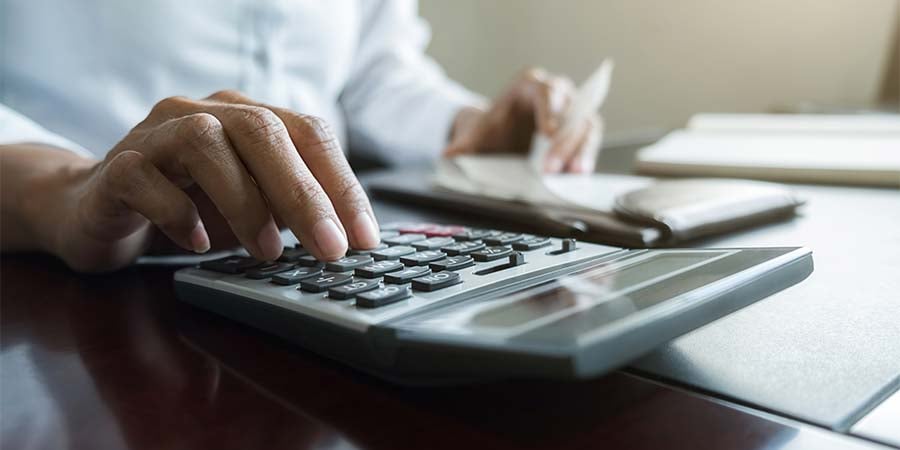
<point>388,233</point>
<point>310,261</point>
<point>230,264</point>
<point>348,263</point>
<point>436,281</point>
<point>292,254</point>
<point>393,252</point>
<point>404,239</point>
<point>432,243</point>
<point>414,228</point>
<point>324,281</point>
<point>353,251</point>
<point>531,243</point>
<point>406,275</point>
<point>378,268</point>
<point>268,269</point>
<point>452,263</point>
<point>462,247</point>
<point>422,258</point>
<point>472,234</point>
<point>515,259</point>
<point>350,290</point>
<point>567,245</point>
<point>442,230</point>
<point>382,296</point>
<point>491,253</point>
<point>296,275</point>
<point>503,238</point>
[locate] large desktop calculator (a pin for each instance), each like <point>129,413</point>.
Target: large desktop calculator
<point>451,303</point>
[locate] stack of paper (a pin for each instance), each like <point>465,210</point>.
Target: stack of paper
<point>859,149</point>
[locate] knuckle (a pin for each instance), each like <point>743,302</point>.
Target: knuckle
<point>318,124</point>
<point>169,105</point>
<point>317,136</point>
<point>226,94</point>
<point>350,192</point>
<point>533,74</point>
<point>258,120</point>
<point>122,173</point>
<point>200,130</point>
<point>305,192</point>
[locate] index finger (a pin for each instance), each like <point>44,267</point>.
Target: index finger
<point>322,154</point>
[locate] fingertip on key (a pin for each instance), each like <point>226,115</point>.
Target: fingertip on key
<point>330,239</point>
<point>199,239</point>
<point>269,242</point>
<point>364,231</point>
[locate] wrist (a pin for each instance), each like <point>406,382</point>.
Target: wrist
<point>48,196</point>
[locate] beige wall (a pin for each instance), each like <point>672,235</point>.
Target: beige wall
<point>675,58</point>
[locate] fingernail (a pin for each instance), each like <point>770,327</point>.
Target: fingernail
<point>330,239</point>
<point>553,164</point>
<point>364,230</point>
<point>269,241</point>
<point>199,238</point>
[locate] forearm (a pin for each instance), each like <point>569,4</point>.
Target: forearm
<point>32,197</point>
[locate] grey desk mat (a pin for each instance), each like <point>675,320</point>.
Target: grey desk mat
<point>825,351</point>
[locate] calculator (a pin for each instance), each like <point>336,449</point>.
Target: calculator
<point>450,303</point>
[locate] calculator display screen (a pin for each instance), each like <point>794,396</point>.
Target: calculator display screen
<point>578,303</point>
<point>583,289</point>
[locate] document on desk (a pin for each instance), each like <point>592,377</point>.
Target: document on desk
<point>854,149</point>
<point>511,178</point>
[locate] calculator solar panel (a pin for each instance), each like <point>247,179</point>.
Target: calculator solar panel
<point>449,302</point>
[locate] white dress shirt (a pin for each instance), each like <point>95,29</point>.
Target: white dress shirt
<point>80,74</point>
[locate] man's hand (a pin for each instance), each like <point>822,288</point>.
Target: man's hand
<point>193,167</point>
<point>535,101</point>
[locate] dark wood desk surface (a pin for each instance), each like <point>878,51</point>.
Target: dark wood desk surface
<point>96,362</point>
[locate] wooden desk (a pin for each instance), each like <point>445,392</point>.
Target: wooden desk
<point>97,362</point>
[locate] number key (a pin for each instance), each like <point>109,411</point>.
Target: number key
<point>348,263</point>
<point>436,281</point>
<point>350,290</point>
<point>382,296</point>
<point>491,253</point>
<point>324,281</point>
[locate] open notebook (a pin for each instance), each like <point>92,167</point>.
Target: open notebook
<point>853,149</point>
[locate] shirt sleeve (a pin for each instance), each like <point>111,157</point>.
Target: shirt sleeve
<point>398,102</point>
<point>17,129</point>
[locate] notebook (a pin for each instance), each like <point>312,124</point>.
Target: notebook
<point>852,149</point>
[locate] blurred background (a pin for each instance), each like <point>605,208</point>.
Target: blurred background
<point>674,59</point>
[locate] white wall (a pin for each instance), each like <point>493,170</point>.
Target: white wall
<point>674,58</point>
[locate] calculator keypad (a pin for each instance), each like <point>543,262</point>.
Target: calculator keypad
<point>412,260</point>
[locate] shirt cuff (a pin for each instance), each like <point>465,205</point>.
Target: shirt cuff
<point>18,129</point>
<point>434,134</point>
